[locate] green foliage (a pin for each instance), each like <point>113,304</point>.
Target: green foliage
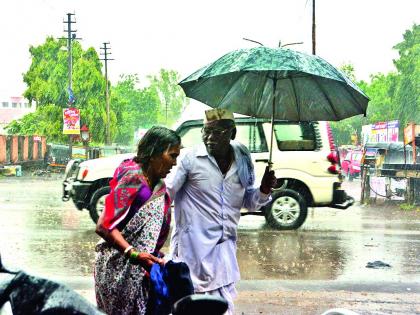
<point>343,130</point>
<point>47,81</point>
<point>130,107</point>
<point>45,121</point>
<point>133,108</point>
<point>393,96</point>
<point>47,75</point>
<point>407,87</point>
<point>348,70</point>
<point>141,108</point>
<point>170,94</point>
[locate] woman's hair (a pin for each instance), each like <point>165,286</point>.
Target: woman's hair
<point>154,142</point>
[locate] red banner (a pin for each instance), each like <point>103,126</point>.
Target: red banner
<point>71,121</point>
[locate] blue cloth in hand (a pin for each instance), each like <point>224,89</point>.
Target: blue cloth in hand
<point>160,292</point>
<point>169,283</point>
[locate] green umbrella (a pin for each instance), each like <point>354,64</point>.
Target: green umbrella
<point>276,83</point>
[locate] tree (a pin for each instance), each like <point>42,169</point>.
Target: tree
<point>130,107</point>
<point>348,70</point>
<point>172,98</point>
<point>343,130</point>
<point>46,120</point>
<point>47,81</point>
<point>393,96</point>
<point>133,107</point>
<point>381,105</point>
<point>407,86</point>
<point>47,75</point>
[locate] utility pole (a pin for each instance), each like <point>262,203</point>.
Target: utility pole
<point>107,127</point>
<point>71,35</point>
<point>313,29</point>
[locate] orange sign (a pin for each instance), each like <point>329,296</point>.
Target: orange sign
<point>409,133</point>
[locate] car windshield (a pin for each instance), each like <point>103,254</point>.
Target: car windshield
<point>357,157</point>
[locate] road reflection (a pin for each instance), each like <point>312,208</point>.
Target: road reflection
<point>45,236</point>
<point>289,255</point>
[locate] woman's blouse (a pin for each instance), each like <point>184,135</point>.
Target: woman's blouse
<point>129,192</point>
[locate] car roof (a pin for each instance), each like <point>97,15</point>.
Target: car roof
<point>238,120</point>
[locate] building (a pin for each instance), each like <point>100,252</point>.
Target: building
<point>12,108</point>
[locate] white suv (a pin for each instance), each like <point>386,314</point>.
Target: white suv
<point>304,159</point>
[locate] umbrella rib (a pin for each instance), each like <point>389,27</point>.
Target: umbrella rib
<point>326,96</point>
<point>228,90</point>
<point>295,95</point>
<point>357,102</point>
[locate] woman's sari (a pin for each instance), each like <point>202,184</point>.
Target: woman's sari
<point>121,287</point>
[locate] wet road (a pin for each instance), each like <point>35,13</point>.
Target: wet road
<point>50,238</point>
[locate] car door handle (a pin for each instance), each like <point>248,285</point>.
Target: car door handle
<point>262,160</point>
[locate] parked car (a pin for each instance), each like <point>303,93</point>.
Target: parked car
<point>350,165</point>
<point>304,160</point>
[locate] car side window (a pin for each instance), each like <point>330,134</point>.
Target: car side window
<point>190,136</point>
<point>295,136</point>
<point>250,135</point>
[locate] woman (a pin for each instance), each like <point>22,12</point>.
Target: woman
<point>135,224</point>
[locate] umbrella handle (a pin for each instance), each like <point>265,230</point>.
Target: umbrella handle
<point>270,163</point>
<point>270,158</point>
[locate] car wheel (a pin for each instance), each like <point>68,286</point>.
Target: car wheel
<point>287,211</point>
<point>97,203</point>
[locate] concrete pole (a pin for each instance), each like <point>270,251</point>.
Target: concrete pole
<point>313,29</point>
<point>70,70</point>
<point>107,127</point>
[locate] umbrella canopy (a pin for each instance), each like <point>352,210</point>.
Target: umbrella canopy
<point>276,83</point>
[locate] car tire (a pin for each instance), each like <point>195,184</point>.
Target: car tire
<point>97,203</point>
<point>287,211</point>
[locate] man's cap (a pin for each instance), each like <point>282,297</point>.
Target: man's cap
<point>218,114</point>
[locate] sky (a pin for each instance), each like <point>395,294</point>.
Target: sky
<point>185,35</point>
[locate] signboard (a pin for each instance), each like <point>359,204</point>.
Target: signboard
<point>386,131</point>
<point>37,138</point>
<point>71,121</point>
<point>409,133</point>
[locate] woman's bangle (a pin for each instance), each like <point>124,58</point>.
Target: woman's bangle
<point>133,257</point>
<point>126,251</point>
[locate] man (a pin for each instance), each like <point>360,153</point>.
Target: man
<point>209,186</point>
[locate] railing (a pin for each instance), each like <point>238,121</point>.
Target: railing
<point>21,149</point>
